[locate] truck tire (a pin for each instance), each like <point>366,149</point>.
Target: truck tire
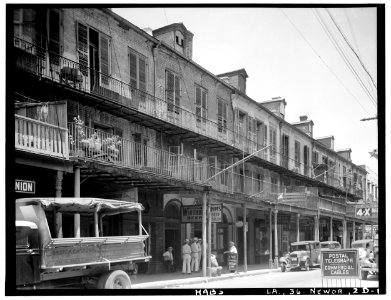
<point>117,279</point>
<point>364,275</point>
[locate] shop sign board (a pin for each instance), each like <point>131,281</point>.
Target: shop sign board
<point>193,213</point>
<point>364,212</point>
<point>341,263</point>
<point>24,186</point>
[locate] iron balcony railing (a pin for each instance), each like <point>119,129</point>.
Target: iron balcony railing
<point>39,137</point>
<point>40,62</point>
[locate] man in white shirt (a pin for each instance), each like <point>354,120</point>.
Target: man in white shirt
<point>194,255</point>
<point>168,260</point>
<point>186,257</point>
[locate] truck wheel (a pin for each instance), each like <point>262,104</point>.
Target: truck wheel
<point>307,265</point>
<point>135,270</point>
<point>283,267</point>
<point>364,275</point>
<point>117,279</point>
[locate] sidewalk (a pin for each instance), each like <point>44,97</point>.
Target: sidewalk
<point>172,280</point>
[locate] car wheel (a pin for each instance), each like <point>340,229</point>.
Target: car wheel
<point>307,265</point>
<point>283,267</point>
<point>364,275</point>
<point>117,279</point>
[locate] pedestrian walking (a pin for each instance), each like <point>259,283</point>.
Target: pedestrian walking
<point>186,257</point>
<point>168,260</point>
<point>194,255</point>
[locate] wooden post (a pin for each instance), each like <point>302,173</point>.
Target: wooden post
<point>344,234</point>
<point>316,228</point>
<point>354,231</point>
<point>298,228</point>
<point>96,223</point>
<point>363,231</point>
<point>204,196</point>
<point>270,240</point>
<point>245,237</point>
<point>140,231</point>
<point>58,217</point>
<point>76,220</point>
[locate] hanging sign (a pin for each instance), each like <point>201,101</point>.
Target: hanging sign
<point>193,213</point>
<point>340,263</point>
<point>364,212</point>
<point>24,186</point>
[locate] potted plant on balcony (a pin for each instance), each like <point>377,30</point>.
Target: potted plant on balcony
<point>112,145</point>
<point>79,137</point>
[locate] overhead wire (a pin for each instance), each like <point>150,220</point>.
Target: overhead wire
<point>344,56</point>
<point>321,59</point>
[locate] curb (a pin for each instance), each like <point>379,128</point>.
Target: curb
<point>178,283</point>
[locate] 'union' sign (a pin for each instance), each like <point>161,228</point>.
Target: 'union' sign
<point>24,186</point>
<point>193,213</point>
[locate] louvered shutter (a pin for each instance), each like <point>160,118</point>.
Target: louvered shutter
<point>204,106</point>
<point>177,93</point>
<point>237,125</point>
<point>198,104</point>
<point>133,69</point>
<point>142,74</point>
<point>54,37</point>
<point>104,59</point>
<point>170,90</point>
<point>220,115</point>
<point>82,48</point>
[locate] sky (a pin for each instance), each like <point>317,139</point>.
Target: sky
<point>286,52</point>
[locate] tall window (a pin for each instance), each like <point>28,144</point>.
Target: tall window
<point>201,106</point>
<point>273,141</point>
<point>222,116</point>
<point>252,129</point>
<point>315,157</point>
<point>138,70</point>
<point>297,154</point>
<point>173,88</point>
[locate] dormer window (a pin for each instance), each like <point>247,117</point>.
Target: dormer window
<point>179,38</point>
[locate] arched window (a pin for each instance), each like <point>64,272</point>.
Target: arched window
<point>172,212</point>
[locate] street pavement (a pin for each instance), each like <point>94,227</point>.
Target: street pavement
<point>253,278</point>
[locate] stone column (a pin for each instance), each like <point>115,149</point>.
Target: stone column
<point>270,240</point>
<point>245,237</point>
<point>58,187</point>
<point>297,227</point>
<point>275,240</point>
<point>354,231</point>
<point>331,228</point>
<point>76,220</point>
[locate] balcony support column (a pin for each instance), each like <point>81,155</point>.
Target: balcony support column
<point>298,228</point>
<point>275,240</point>
<point>354,231</point>
<point>331,229</point>
<point>270,240</point>
<point>76,220</point>
<point>245,237</point>
<point>316,228</point>
<point>58,218</point>
<point>209,245</point>
<point>363,231</point>
<point>345,233</point>
<point>204,199</point>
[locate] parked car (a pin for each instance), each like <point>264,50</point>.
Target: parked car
<point>368,260</point>
<point>305,254</point>
<point>330,245</point>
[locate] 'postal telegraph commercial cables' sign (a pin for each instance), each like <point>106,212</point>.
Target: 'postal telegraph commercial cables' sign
<point>341,263</point>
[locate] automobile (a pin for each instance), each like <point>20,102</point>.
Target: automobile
<point>302,255</point>
<point>330,245</point>
<point>368,260</point>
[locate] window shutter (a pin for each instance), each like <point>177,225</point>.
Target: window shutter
<point>177,93</point>
<point>104,59</point>
<point>142,74</point>
<point>170,90</point>
<point>198,96</point>
<point>204,99</point>
<point>82,47</point>
<point>54,32</point>
<point>237,126</point>
<point>133,69</point>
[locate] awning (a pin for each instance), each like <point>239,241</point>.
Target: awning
<point>83,205</point>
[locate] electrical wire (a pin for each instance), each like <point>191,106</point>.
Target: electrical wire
<point>328,67</point>
<point>344,56</point>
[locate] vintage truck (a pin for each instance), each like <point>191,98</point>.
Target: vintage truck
<point>304,254</point>
<point>368,256</point>
<point>98,261</point>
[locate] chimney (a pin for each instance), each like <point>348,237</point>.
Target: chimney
<point>236,78</point>
<point>276,106</point>
<point>178,37</point>
<point>305,125</point>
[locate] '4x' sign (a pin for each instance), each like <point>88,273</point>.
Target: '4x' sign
<point>364,212</point>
